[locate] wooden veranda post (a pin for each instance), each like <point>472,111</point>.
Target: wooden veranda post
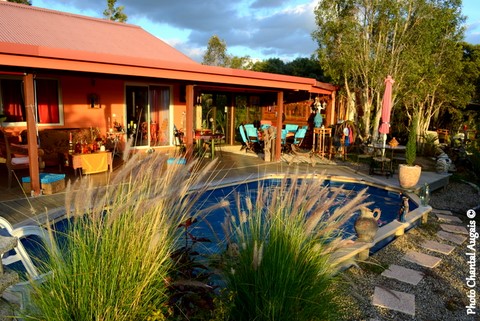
<point>29,93</point>
<point>278,140</point>
<point>189,92</point>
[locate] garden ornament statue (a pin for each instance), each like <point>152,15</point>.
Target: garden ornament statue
<point>403,210</point>
<point>317,107</point>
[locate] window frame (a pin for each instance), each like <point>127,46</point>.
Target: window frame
<point>24,123</point>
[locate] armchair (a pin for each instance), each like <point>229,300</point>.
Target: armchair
<point>11,160</point>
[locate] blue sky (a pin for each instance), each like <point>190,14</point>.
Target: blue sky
<point>258,28</point>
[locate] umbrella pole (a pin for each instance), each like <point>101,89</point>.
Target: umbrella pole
<point>384,144</point>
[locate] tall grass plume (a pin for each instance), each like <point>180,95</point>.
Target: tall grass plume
<point>116,258</point>
<point>278,261</point>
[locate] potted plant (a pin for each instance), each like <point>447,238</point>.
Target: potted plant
<point>409,173</point>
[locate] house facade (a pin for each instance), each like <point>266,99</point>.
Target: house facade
<point>63,71</point>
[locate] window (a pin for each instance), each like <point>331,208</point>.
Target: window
<point>12,104</point>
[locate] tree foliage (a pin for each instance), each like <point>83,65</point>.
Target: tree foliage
<point>27,2</point>
<point>216,54</point>
<point>114,13</point>
<point>415,41</point>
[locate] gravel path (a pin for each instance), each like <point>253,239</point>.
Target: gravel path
<point>441,295</point>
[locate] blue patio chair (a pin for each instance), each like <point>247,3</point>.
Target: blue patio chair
<point>249,125</point>
<point>245,141</point>
<point>299,136</point>
<point>291,128</point>
<point>252,134</point>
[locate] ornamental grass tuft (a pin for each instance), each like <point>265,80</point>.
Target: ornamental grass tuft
<point>279,262</point>
<point>115,259</point>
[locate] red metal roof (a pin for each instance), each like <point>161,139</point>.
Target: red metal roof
<point>41,38</point>
<point>29,25</point>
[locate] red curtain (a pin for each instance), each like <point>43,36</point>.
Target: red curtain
<point>47,101</point>
<point>12,100</point>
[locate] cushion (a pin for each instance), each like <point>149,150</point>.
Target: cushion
<point>20,160</point>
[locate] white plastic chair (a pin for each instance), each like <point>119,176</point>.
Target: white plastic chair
<point>21,255</point>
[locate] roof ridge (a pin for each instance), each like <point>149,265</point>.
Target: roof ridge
<point>63,13</point>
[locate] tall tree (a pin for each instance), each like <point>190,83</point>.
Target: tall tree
<point>27,2</point>
<point>216,54</point>
<point>363,41</point>
<point>272,65</point>
<point>114,13</point>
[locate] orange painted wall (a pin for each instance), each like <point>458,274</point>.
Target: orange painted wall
<point>77,113</point>
<point>111,93</point>
<point>77,110</point>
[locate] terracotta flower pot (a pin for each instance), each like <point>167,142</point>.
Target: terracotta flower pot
<point>408,176</point>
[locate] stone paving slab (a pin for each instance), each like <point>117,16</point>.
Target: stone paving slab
<point>446,212</point>
<point>454,229</point>
<point>403,274</point>
<point>394,300</point>
<point>438,247</point>
<point>422,259</point>
<point>454,238</point>
<point>448,218</point>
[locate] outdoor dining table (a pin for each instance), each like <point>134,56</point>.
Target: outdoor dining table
<point>204,138</point>
<point>382,163</point>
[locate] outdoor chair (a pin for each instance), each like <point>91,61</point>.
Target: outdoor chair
<point>180,147</point>
<point>252,134</point>
<point>246,142</point>
<point>218,139</point>
<point>299,136</point>
<point>291,128</point>
<point>19,257</point>
<point>363,152</point>
<point>11,160</point>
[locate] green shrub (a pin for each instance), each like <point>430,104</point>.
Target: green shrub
<point>116,260</point>
<point>278,263</point>
<point>411,147</point>
<point>429,146</point>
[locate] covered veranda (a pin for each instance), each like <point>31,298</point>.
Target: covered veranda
<point>96,80</point>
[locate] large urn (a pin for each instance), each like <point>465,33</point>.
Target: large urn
<point>366,226</point>
<point>408,176</point>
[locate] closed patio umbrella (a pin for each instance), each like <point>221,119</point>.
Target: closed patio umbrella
<point>386,111</point>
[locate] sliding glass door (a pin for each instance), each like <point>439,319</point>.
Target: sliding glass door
<point>148,115</point>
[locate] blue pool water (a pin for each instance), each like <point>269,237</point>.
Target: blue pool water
<point>389,203</point>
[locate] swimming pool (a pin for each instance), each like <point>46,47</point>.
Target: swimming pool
<point>389,202</point>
